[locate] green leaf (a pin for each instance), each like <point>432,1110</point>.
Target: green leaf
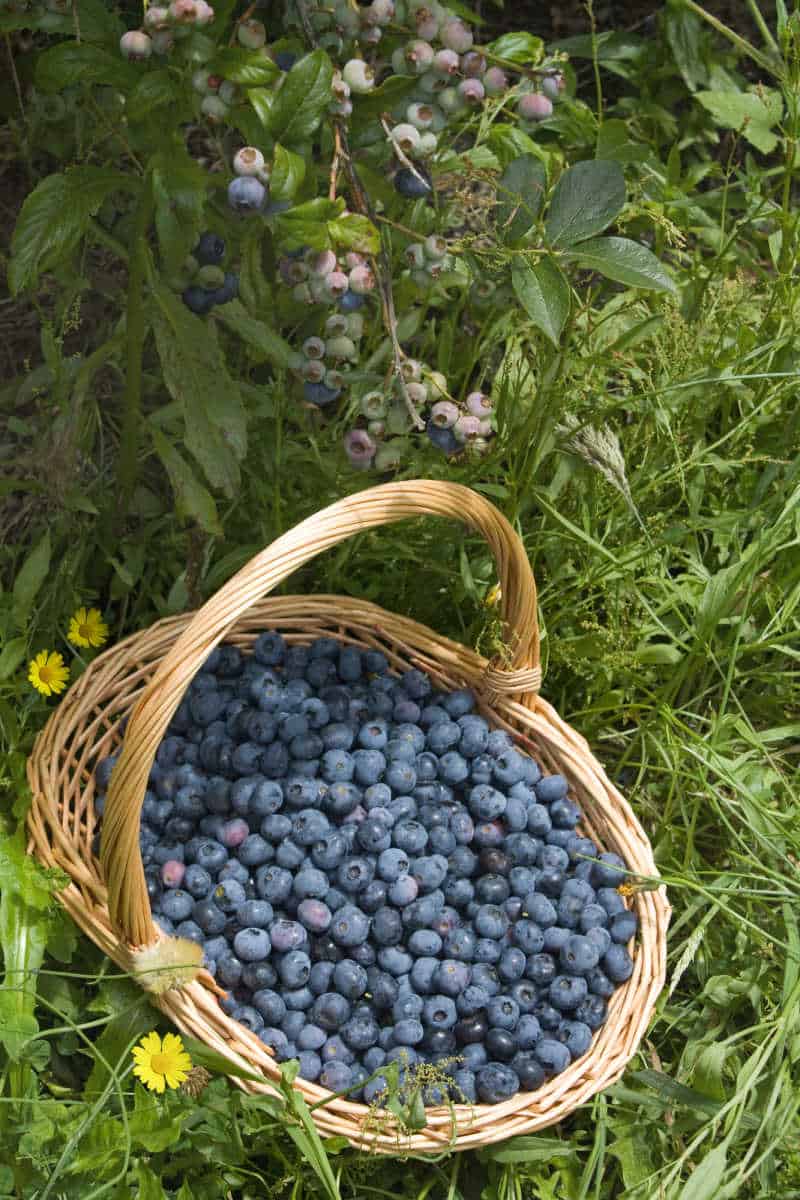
<point>704,1181</point>
<point>249,68</point>
<point>149,1185</point>
<point>262,101</point>
<point>54,217</point>
<point>625,262</point>
<point>192,500</point>
<point>753,114</point>
<point>32,575</point>
<point>520,192</point>
<point>382,99</point>
<point>302,99</point>
<point>307,224</point>
<point>585,201</point>
<point>288,172</point>
<point>508,142</point>
<point>354,232</point>
<point>527,1149</point>
<point>684,34</point>
<point>76,62</point>
<point>154,90</point>
<point>519,47</point>
<point>543,293</point>
<point>614,141</point>
<point>266,344</point>
<point>179,188</point>
<point>12,655</point>
<point>203,1056</point>
<point>197,377</point>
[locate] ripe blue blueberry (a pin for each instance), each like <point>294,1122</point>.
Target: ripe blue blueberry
<point>623,926</point>
<point>576,1036</point>
<point>246,194</point>
<point>617,964</point>
<point>496,1082</point>
<point>552,1055</point>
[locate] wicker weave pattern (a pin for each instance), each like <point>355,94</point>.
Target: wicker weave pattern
<point>144,678</point>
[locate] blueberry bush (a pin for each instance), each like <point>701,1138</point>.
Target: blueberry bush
<point>262,255</point>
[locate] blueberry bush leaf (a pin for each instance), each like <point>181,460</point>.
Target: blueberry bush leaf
<point>264,343</point>
<point>179,189</point>
<point>54,218</point>
<point>77,63</point>
<point>624,261</point>
<point>196,376</point>
<point>192,499</point>
<point>585,201</point>
<point>543,292</point>
<point>520,191</point>
<point>288,173</point>
<point>303,98</point>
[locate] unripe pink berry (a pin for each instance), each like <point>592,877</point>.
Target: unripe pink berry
<point>427,24</point>
<point>535,107</point>
<point>251,34</point>
<point>336,284</point>
<point>478,404</point>
<point>553,86</point>
<point>205,14</point>
<point>445,62</point>
<point>322,264</point>
<point>135,45</point>
<point>485,427</point>
<point>360,449</point>
<point>172,873</point>
<point>473,64</point>
<point>361,280</point>
<point>455,35</point>
<point>444,414</point>
<point>466,428</point>
<point>340,88</point>
<point>353,259</point>
<point>495,81</point>
<point>417,392</point>
<point>314,347</point>
<point>380,12</point>
<point>419,56</point>
<point>358,75</point>
<point>156,17</point>
<point>183,12</point>
<point>371,36</point>
<point>234,832</point>
<point>248,161</point>
<point>472,91</point>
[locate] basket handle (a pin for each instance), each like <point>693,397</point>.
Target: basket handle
<point>128,903</point>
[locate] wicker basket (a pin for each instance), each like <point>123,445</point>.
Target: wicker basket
<point>145,677</point>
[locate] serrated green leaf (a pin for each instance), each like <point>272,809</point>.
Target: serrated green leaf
<point>32,575</point>
<point>753,114</point>
<point>179,187</point>
<point>154,90</point>
<point>288,172</point>
<point>197,377</point>
<point>54,217</point>
<point>683,29</point>
<point>77,62</point>
<point>266,344</point>
<point>307,224</point>
<point>248,68</point>
<point>585,201</point>
<point>520,192</point>
<point>623,261</point>
<point>508,142</point>
<point>354,232</point>
<point>302,99</point>
<point>192,500</point>
<point>519,47</point>
<point>543,293</point>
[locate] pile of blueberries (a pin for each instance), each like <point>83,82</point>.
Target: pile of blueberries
<point>377,876</point>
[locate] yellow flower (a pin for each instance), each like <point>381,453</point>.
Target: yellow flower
<point>47,673</point>
<point>88,628</point>
<point>159,1063</point>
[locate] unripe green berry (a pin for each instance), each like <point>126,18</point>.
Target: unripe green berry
<point>334,379</point>
<point>251,34</point>
<point>419,56</point>
<point>417,393</point>
<point>435,247</point>
<point>248,161</point>
<point>415,255</point>
<point>314,347</point>
<point>341,347</point>
<point>405,137</point>
<point>359,76</point>
<point>388,456</point>
<point>376,429</point>
<point>420,116</point>
<point>373,406</point>
<point>355,325</point>
<point>214,108</point>
<point>428,142</point>
<point>228,92</point>
<point>210,277</point>
<point>411,370</point>
<point>336,325</point>
<point>437,384</point>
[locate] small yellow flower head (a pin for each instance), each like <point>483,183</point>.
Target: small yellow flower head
<point>493,596</point>
<point>47,673</point>
<point>161,1063</point>
<point>87,628</point>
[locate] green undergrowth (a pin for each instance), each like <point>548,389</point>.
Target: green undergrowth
<point>650,464</point>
